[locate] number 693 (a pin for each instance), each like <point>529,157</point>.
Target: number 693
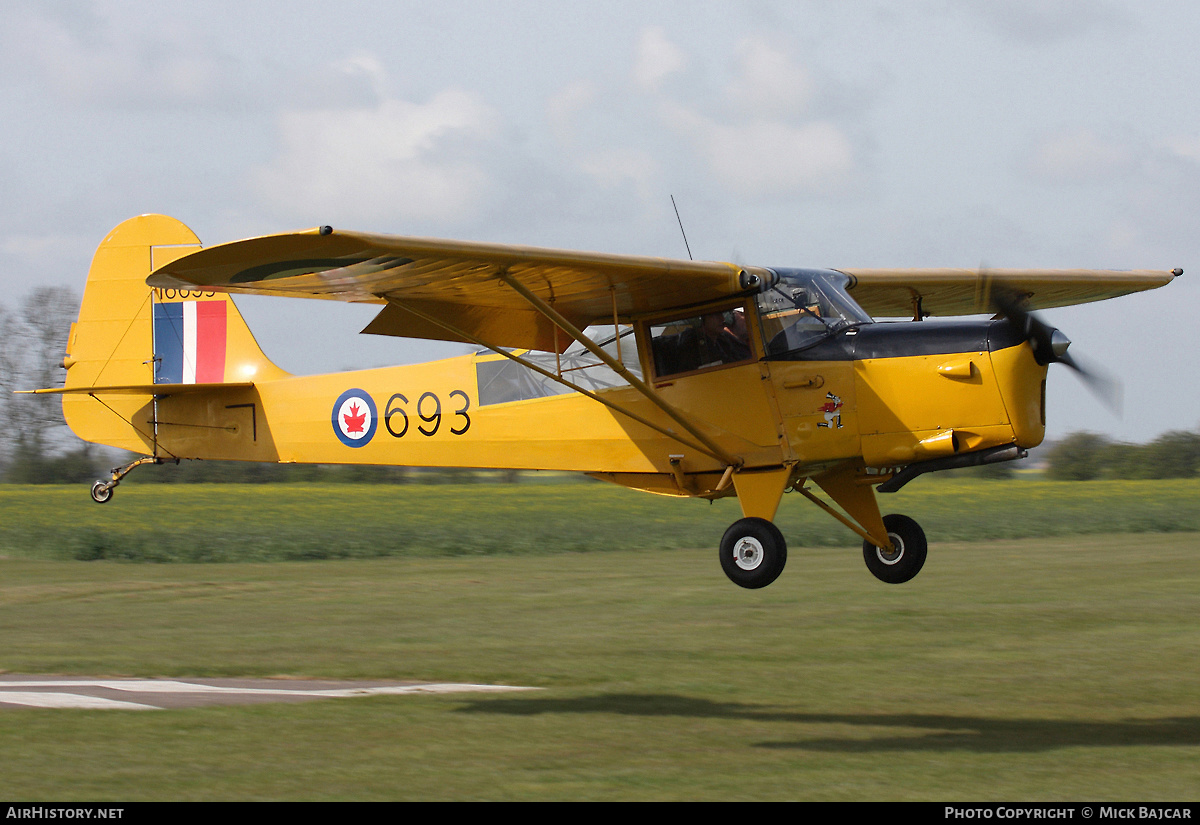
<point>429,410</point>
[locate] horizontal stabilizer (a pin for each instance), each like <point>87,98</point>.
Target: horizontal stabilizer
<point>140,389</point>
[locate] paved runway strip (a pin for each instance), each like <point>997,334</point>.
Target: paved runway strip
<point>156,694</point>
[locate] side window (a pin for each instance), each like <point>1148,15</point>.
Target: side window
<point>699,342</point>
<point>502,380</point>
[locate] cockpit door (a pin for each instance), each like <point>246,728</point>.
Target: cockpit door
<point>817,408</point>
<point>808,323</point>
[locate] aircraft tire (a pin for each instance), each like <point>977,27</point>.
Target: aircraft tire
<point>102,492</point>
<point>753,552</point>
<point>909,556</point>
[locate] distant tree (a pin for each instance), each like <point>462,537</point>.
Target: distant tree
<point>1174,454</point>
<point>33,342</point>
<point>1079,457</point>
<point>1083,456</point>
<point>28,466</point>
<point>1123,461</point>
<point>8,377</point>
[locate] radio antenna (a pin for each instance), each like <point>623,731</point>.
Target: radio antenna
<point>681,232</point>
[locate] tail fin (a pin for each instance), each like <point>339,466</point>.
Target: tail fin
<point>129,336</point>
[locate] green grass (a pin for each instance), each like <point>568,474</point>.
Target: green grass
<point>1030,669</point>
<point>230,522</point>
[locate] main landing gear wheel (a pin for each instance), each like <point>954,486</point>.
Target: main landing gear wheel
<point>905,560</point>
<point>753,552</point>
<point>102,491</point>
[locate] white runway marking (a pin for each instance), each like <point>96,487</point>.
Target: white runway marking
<point>155,694</point>
<point>67,700</point>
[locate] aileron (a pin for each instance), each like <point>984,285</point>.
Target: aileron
<point>893,292</point>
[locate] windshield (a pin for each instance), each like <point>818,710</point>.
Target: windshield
<point>804,307</point>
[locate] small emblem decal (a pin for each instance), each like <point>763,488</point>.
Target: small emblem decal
<point>354,418</point>
<point>833,412</point>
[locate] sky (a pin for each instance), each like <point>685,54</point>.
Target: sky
<point>963,133</point>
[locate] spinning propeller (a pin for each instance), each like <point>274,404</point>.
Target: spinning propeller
<point>1050,345</point>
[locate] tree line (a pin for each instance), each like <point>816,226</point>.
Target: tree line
<point>1086,456</point>
<point>37,446</point>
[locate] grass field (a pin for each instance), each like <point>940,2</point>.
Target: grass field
<point>1060,668</point>
<point>293,522</point>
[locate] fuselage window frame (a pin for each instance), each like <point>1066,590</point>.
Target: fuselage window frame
<point>711,337</point>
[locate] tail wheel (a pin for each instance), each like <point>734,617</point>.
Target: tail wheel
<point>102,491</point>
<point>753,552</point>
<point>907,556</point>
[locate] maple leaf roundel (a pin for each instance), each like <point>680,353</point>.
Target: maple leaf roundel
<point>354,418</point>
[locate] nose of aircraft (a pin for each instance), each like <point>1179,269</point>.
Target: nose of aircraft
<point>1050,345</point>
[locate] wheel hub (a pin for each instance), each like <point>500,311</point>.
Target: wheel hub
<point>748,553</point>
<point>890,557</point>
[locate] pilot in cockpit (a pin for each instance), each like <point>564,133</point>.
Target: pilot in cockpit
<point>726,339</point>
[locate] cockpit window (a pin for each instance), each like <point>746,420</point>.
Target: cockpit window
<point>804,307</point>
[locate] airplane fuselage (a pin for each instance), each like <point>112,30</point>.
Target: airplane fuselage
<point>890,394</point>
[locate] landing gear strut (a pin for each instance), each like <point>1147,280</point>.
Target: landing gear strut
<point>102,491</point>
<point>753,552</point>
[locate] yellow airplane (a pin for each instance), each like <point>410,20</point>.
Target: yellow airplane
<point>683,378</point>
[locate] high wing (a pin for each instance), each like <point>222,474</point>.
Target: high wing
<point>909,292</point>
<point>430,284</point>
<point>463,291</point>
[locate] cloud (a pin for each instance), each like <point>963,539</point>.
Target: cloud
<point>1185,147</point>
<point>564,108</point>
<point>758,133</point>
<point>1078,156</point>
<point>357,81</point>
<point>763,157</point>
<point>766,140</point>
<point>88,57</point>
<point>33,248</point>
<point>396,160</point>
<point>656,58</point>
<point>768,82</point>
<point>612,168</point>
<point>1045,21</point>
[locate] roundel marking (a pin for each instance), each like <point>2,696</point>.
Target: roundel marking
<point>354,418</point>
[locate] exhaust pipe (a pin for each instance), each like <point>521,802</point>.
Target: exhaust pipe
<point>992,455</point>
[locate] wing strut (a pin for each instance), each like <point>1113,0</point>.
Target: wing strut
<point>619,368</point>
<point>453,330</point>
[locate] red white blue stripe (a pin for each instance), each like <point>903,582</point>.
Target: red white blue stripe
<point>189,342</point>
